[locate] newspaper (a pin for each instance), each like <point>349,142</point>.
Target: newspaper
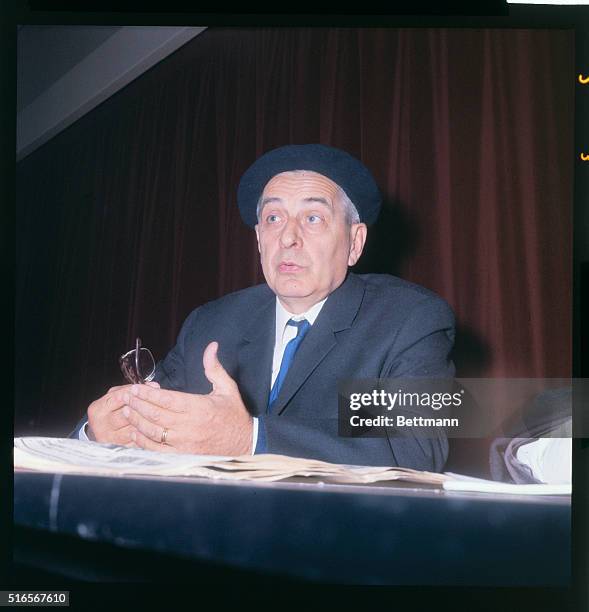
<point>460,482</point>
<point>72,456</point>
<point>65,455</point>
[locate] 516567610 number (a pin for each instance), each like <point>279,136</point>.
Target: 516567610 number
<point>34,598</point>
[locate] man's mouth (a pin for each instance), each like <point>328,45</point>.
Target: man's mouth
<point>289,267</point>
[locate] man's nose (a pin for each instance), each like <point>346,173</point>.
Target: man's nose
<point>291,235</point>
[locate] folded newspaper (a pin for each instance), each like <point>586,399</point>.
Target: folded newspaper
<point>81,457</point>
<point>65,455</point>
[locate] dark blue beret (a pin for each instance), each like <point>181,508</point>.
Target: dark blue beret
<point>341,167</point>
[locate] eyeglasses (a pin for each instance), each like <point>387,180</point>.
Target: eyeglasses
<point>138,365</point>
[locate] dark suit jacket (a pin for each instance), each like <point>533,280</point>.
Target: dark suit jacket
<point>372,326</point>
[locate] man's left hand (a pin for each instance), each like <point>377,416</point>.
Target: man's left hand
<point>213,424</point>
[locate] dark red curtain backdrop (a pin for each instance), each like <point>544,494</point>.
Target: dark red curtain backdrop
<point>127,220</point>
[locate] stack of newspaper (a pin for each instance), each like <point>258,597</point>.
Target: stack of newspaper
<point>65,455</point>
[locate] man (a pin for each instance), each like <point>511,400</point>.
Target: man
<point>258,370</point>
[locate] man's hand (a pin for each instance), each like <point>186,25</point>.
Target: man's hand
<point>213,424</point>
<point>106,421</point>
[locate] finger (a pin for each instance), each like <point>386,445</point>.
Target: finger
<point>123,436</point>
<point>100,411</point>
<point>153,383</point>
<point>170,400</point>
<point>145,426</point>
<point>117,419</point>
<point>117,399</point>
<point>215,372</point>
<point>112,389</point>
<point>152,412</point>
<point>148,444</point>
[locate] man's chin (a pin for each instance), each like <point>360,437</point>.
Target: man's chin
<point>291,288</point>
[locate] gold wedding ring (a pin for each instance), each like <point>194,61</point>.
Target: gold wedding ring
<point>164,436</point>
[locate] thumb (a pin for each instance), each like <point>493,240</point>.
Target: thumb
<point>215,372</point>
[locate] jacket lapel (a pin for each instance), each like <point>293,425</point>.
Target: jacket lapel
<point>254,358</point>
<point>337,314</point>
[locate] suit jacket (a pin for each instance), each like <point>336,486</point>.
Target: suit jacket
<point>372,326</point>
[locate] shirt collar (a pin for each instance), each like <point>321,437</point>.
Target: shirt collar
<point>283,316</point>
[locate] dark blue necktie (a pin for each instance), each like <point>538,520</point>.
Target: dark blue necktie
<point>289,352</point>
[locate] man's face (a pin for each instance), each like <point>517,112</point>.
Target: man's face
<point>304,241</point>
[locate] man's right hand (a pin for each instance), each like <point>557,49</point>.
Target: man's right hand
<point>106,421</point>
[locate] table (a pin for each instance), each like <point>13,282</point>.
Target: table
<point>399,535</point>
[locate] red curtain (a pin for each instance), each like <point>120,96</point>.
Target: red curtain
<point>128,220</point>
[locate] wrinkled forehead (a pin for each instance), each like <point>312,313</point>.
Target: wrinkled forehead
<point>304,182</point>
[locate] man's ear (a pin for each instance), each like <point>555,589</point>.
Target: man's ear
<point>256,227</point>
<point>358,233</point>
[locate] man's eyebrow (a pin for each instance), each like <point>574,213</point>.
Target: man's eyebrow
<point>317,199</point>
<point>271,199</point>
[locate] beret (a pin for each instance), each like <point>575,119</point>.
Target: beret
<point>341,167</point>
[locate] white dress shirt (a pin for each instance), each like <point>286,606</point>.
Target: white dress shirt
<point>82,433</point>
<point>284,334</point>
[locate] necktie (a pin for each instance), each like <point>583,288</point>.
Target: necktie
<point>289,352</point>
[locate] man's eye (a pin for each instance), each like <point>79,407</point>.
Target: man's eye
<point>314,219</point>
<point>272,219</point>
